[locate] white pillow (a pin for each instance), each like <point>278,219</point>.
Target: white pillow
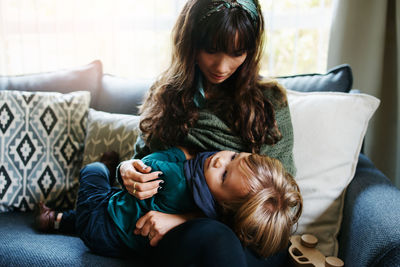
<point>329,128</point>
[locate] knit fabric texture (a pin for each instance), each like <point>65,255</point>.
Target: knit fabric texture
<point>211,133</point>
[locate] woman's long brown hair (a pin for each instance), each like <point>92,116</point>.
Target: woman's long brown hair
<point>169,110</point>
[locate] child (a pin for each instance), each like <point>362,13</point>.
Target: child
<point>251,193</point>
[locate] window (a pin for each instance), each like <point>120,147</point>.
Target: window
<point>297,35</point>
<point>132,38</point>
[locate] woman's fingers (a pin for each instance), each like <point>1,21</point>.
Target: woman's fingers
<point>141,183</point>
<point>138,180</point>
<point>143,177</point>
<point>143,190</point>
<point>147,194</point>
<point>140,166</point>
<point>149,186</point>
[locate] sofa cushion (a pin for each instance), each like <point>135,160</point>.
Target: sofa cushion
<point>328,131</point>
<point>337,79</point>
<point>82,78</point>
<point>21,245</point>
<point>41,145</point>
<point>110,132</point>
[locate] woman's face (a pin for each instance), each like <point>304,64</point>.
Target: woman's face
<point>219,66</point>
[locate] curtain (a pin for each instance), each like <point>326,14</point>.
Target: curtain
<point>365,34</point>
<point>132,38</point>
<point>129,37</point>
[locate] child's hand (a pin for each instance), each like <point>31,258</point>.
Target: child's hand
<point>156,224</point>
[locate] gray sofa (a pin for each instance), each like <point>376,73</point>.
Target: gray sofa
<point>370,233</point>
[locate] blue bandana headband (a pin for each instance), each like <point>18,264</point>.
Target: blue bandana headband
<point>248,5</point>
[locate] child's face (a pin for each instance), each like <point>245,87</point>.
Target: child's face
<point>225,180</point>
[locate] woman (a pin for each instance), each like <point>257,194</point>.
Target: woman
<point>210,98</point>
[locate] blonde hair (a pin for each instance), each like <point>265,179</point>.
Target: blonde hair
<point>263,220</point>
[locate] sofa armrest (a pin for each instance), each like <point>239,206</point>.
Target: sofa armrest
<point>370,232</point>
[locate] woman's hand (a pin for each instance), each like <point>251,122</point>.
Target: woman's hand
<point>138,180</point>
<point>156,224</point>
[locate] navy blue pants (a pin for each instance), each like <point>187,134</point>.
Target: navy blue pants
<point>199,242</point>
<point>93,223</point>
<point>207,242</point>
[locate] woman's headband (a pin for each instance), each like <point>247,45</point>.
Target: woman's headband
<point>248,5</point>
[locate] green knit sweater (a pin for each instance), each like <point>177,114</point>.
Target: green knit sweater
<point>210,133</point>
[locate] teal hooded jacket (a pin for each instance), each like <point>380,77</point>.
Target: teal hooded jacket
<point>175,197</point>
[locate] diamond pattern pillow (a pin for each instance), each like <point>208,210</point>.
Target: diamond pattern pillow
<point>110,132</point>
<point>41,144</point>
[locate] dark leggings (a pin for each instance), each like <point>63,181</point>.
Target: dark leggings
<point>199,242</point>
<point>92,221</point>
<point>207,242</point>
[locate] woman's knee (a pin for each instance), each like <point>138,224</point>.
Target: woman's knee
<point>202,242</point>
<point>212,232</point>
<point>201,233</point>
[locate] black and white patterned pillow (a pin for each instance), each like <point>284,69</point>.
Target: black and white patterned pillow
<point>41,146</point>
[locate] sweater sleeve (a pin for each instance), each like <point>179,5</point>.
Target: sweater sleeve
<point>210,134</point>
<point>283,150</point>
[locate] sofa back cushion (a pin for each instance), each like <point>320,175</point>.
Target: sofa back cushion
<point>121,95</point>
<point>110,132</point>
<point>81,78</point>
<point>337,79</point>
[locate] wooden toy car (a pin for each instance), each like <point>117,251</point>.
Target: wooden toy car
<point>303,253</point>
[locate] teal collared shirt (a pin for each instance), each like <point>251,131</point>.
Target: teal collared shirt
<point>175,197</point>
